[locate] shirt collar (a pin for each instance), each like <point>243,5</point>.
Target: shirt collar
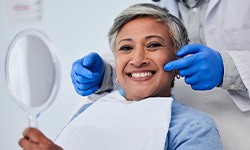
<point>193,3</point>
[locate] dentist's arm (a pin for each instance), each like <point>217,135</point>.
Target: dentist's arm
<point>201,66</point>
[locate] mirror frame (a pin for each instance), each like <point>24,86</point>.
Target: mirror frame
<point>44,38</point>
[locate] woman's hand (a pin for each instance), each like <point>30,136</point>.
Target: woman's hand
<point>33,139</point>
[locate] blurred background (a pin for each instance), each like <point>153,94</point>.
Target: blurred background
<point>76,28</point>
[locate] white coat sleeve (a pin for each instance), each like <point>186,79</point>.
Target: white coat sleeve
<point>242,63</point>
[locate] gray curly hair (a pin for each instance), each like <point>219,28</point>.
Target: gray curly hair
<point>177,30</point>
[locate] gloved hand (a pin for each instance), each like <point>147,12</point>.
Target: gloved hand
<point>201,66</point>
<point>87,74</point>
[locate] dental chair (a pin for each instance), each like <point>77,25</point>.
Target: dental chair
<point>232,123</point>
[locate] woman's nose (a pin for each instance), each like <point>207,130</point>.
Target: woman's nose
<point>139,58</point>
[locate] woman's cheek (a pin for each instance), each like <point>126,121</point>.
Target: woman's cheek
<point>119,68</point>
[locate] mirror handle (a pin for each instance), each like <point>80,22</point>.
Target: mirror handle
<point>33,120</point>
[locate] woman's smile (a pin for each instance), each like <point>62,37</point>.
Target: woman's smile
<point>141,75</point>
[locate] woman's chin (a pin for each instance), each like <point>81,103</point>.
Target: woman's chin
<point>137,96</point>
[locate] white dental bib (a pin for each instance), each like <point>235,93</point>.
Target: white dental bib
<point>113,123</point>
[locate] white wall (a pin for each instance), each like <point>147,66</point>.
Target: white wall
<point>76,27</point>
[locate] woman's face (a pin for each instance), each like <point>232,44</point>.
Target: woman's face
<point>142,47</point>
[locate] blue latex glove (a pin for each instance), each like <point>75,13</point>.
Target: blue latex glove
<point>87,74</point>
<point>201,66</point>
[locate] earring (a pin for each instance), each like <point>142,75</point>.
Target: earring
<point>116,79</point>
<point>177,76</point>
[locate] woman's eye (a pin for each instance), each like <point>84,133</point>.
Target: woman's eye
<point>125,48</point>
<point>154,45</point>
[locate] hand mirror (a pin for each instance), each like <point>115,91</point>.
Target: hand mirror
<point>32,72</point>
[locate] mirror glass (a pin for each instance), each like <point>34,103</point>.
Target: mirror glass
<point>32,72</point>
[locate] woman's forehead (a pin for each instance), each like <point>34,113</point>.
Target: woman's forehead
<point>143,27</point>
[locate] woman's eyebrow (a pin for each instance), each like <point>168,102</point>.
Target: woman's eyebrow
<point>127,39</point>
<point>155,36</point>
<point>147,37</point>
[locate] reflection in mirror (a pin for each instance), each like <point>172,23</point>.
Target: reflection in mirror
<point>32,72</point>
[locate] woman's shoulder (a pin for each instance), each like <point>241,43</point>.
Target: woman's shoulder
<point>188,126</point>
<point>189,115</point>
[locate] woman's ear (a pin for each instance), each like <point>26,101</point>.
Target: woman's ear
<point>177,76</point>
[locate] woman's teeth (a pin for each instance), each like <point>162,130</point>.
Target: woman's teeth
<point>141,74</point>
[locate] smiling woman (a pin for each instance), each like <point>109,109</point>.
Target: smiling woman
<point>143,115</point>
<point>141,51</point>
